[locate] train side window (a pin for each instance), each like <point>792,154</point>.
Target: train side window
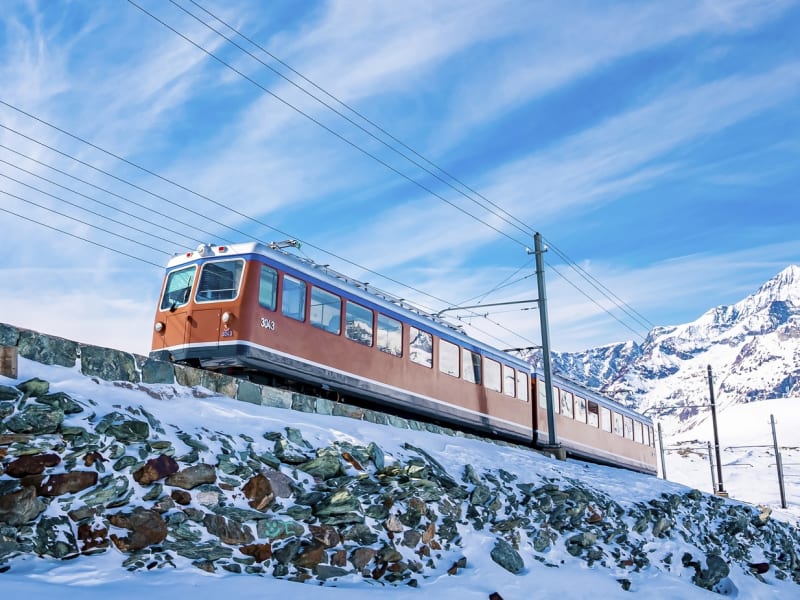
<point>566,403</point>
<point>358,323</point>
<point>580,409</point>
<point>420,347</point>
<point>522,386</point>
<point>652,437</point>
<point>605,419</point>
<point>637,432</point>
<point>593,414</point>
<point>448,358</point>
<point>390,336</point>
<point>326,310</point>
<point>618,424</point>
<point>178,288</point>
<point>471,366</point>
<point>628,427</point>
<point>219,280</point>
<point>268,288</point>
<point>491,373</point>
<point>508,381</point>
<point>293,299</point>
<point>541,392</point>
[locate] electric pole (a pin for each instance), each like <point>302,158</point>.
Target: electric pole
<point>552,440</point>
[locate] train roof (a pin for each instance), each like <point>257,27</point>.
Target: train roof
<point>350,287</point>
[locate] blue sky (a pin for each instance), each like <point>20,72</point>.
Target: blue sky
<point>655,144</point>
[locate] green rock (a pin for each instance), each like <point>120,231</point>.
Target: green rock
<point>34,387</point>
<point>36,420</point>
<point>47,350</point>
<point>61,401</point>
<point>107,364</point>
<point>125,430</point>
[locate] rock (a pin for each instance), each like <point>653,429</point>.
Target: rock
<point>9,393</point>
<point>112,491</point>
<point>155,469</point>
<point>67,483</point>
<point>157,371</point>
<point>34,387</point>
<point>147,527</point>
<point>325,534</point>
<point>125,430</point>
<point>20,507</point>
<point>258,490</point>
<point>193,476</point>
<point>338,503</point>
<point>181,497</point>
<point>36,420</point>
<point>54,537</point>
<point>61,401</point>
<point>325,572</point>
<point>361,557</point>
<point>31,464</point>
<point>508,558</point>
<point>107,364</point>
<point>324,467</point>
<point>228,531</point>
<point>260,552</point>
<point>310,555</point>
<point>276,529</point>
<point>93,536</point>
<point>282,485</point>
<point>46,349</point>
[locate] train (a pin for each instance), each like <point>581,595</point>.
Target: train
<point>258,311</point>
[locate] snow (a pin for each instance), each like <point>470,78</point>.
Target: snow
<point>176,407</point>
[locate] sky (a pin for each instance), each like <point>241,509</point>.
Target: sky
<point>654,146</point>
<point>749,477</point>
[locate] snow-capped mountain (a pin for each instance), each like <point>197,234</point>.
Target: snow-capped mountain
<point>752,346</point>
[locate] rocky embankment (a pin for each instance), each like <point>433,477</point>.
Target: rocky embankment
<point>78,478</point>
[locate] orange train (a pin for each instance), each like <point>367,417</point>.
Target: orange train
<point>255,310</point>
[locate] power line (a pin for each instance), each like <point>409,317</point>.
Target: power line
<point>328,129</point>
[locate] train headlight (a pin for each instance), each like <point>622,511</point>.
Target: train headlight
<point>226,316</point>
<point>159,326</point>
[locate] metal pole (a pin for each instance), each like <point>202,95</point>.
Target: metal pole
<point>552,440</point>
<point>711,465</point>
<point>778,461</point>
<point>661,448</point>
<point>720,491</point>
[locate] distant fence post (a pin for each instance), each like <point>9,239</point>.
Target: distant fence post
<point>661,448</point>
<point>778,461</point>
<point>8,361</point>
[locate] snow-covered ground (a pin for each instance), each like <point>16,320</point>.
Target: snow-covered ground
<point>102,577</point>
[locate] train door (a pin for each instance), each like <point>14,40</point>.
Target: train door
<point>217,287</point>
<point>172,320</point>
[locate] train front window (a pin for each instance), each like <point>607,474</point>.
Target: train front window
<point>390,336</point>
<point>358,324</point>
<point>268,288</point>
<point>471,366</point>
<point>293,299</point>
<point>178,288</point>
<point>219,281</point>
<point>420,347</point>
<point>326,310</point>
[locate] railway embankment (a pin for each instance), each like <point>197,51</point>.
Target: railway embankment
<point>81,477</point>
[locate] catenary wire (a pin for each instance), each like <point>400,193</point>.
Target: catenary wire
<point>526,230</point>
<point>328,129</point>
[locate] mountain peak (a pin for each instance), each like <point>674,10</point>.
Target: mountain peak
<point>785,286</point>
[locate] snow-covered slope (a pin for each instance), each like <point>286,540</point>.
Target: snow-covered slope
<point>752,346</point>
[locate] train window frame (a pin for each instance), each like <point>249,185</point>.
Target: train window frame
<point>328,320</point>
<point>492,375</point>
<point>565,401</point>
<point>177,296</point>
<point>352,316</point>
<point>580,408</point>
<point>205,293</point>
<point>627,426</point>
<point>420,352</point>
<point>592,413</point>
<point>384,333</point>
<point>471,366</point>
<point>508,375</point>
<point>638,435</point>
<point>523,386</point>
<point>292,294</point>
<point>606,419</point>
<point>616,424</point>
<point>449,358</point>
<point>270,302</point>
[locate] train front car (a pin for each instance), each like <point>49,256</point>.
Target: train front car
<point>200,308</point>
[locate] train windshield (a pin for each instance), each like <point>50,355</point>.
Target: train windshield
<point>219,281</point>
<point>178,288</point>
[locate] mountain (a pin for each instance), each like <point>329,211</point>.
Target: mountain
<point>753,347</point>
